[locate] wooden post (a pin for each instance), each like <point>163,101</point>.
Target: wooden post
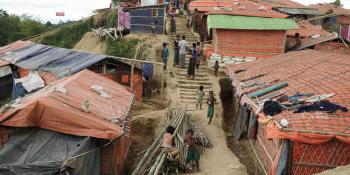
<point>132,75</point>
<point>162,87</point>
<point>104,68</point>
<point>133,66</point>
<point>142,84</point>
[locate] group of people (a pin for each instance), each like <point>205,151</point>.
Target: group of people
<point>210,101</point>
<point>193,154</point>
<point>169,147</point>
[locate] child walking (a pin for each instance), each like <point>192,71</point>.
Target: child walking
<point>165,55</point>
<point>216,68</point>
<point>211,101</point>
<point>200,95</point>
<point>192,151</point>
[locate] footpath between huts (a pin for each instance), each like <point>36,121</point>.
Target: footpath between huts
<point>219,159</point>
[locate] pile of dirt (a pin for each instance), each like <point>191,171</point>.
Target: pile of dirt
<point>144,130</point>
<point>91,43</point>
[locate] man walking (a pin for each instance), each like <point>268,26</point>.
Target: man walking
<point>183,51</point>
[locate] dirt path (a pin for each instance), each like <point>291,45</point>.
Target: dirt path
<point>218,160</point>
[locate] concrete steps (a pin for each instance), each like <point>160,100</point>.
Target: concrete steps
<point>198,74</point>
<point>202,69</point>
<point>193,86</point>
<point>194,82</point>
<point>187,88</point>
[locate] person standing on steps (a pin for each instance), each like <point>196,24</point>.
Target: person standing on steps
<point>165,55</point>
<point>198,51</point>
<point>216,68</point>
<point>153,27</point>
<point>211,101</point>
<point>183,51</point>
<point>176,50</point>
<point>172,21</point>
<point>200,94</point>
<point>192,63</point>
<point>195,20</point>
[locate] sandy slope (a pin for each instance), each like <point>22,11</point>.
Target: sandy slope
<point>91,43</point>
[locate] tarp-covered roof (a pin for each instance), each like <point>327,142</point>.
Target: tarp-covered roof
<point>307,71</point>
<point>308,42</point>
<point>307,29</point>
<point>50,108</point>
<point>242,8</point>
<point>299,11</point>
<point>282,3</point>
<point>326,7</point>
<point>59,61</point>
<point>249,23</point>
<point>43,152</point>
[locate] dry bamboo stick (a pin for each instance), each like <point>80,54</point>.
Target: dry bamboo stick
<point>156,145</point>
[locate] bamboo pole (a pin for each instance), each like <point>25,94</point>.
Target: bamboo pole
<point>156,172</point>
<point>155,146</point>
<point>257,157</point>
<point>162,88</point>
<point>159,162</point>
<point>133,66</point>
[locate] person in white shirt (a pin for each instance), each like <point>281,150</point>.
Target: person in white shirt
<point>182,52</point>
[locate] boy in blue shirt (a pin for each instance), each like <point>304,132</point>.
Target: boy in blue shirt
<point>165,55</point>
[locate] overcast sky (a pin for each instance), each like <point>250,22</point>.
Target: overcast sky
<point>45,10</point>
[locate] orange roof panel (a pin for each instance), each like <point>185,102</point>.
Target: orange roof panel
<point>306,30</point>
<point>50,108</point>
<point>307,71</point>
<point>241,8</point>
<point>14,46</point>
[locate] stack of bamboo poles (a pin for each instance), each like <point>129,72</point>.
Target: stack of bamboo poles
<point>199,137</point>
<point>153,160</point>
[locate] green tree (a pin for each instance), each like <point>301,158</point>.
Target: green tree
<point>337,3</point>
<point>9,25</point>
<point>15,27</point>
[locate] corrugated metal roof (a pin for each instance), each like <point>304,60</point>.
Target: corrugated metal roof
<point>14,46</point>
<point>308,42</point>
<point>299,11</point>
<point>249,23</point>
<point>3,63</point>
<point>59,61</point>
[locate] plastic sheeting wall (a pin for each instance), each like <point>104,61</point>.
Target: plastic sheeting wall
<point>142,20</point>
<point>42,152</point>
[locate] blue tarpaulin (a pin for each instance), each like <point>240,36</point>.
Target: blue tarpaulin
<point>58,61</point>
<point>147,70</point>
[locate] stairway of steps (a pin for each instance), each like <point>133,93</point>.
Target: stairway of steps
<point>187,88</point>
